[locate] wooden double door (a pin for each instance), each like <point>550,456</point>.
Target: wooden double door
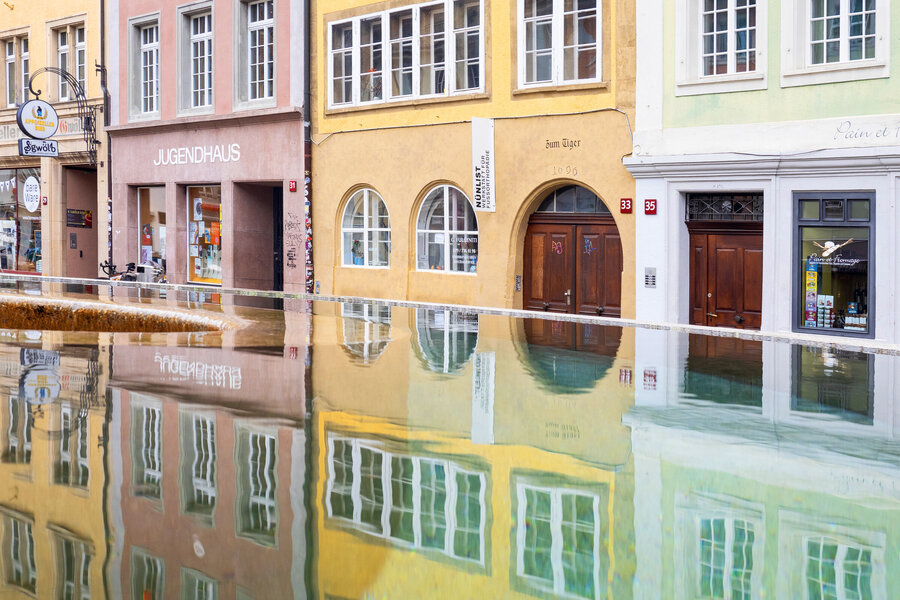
<point>726,275</point>
<point>573,266</point>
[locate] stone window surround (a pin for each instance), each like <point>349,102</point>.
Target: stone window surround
<point>183,51</point>
<point>135,24</point>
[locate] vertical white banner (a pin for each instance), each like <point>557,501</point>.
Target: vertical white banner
<point>484,366</point>
<point>483,164</point>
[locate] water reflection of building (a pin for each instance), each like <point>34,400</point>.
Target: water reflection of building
<point>789,491</point>
<point>205,502</point>
<point>52,528</point>
<point>450,461</point>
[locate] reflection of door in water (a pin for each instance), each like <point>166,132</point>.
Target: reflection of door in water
<point>724,370</point>
<point>573,256</point>
<point>726,279</point>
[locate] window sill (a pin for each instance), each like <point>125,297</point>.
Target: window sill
<point>716,84</point>
<point>561,87</point>
<point>195,112</point>
<point>403,102</point>
<point>366,268</point>
<point>836,73</point>
<point>442,272</point>
<point>139,117</point>
<point>241,105</point>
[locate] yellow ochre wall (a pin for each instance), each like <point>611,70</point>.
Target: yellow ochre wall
<point>402,150</point>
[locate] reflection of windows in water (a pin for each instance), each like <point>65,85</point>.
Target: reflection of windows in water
<point>367,329</point>
<point>417,502</point>
<point>726,558</point>
<point>147,576</point>
<point>558,540</point>
<point>72,470</point>
<point>74,568</point>
<point>147,451</point>
<point>198,439</point>
<point>17,446</point>
<point>20,567</point>
<point>258,484</point>
<point>833,383</point>
<point>197,586</point>
<point>837,570</point>
<point>447,339</point>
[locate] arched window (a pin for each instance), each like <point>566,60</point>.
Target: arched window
<point>366,230</point>
<point>447,339</point>
<point>573,199</point>
<point>447,231</point>
<point>367,330</point>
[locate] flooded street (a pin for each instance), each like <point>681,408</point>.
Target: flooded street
<point>354,450</point>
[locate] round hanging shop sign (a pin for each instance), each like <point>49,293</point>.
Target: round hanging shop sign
<point>32,194</point>
<point>37,119</point>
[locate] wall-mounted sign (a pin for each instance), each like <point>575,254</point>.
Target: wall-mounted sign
<point>292,186</point>
<point>483,164</point>
<point>76,217</point>
<point>31,194</point>
<point>649,206</point>
<point>625,205</point>
<point>197,155</point>
<point>37,119</point>
<point>29,147</point>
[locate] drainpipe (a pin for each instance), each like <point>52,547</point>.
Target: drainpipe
<point>106,119</point>
<point>307,135</point>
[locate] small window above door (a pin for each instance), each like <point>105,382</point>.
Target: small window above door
<point>573,199</point>
<point>724,207</point>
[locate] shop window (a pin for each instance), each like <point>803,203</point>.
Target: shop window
<point>835,263</point>
<point>146,451</point>
<point>421,503</point>
<point>199,491</point>
<point>16,444</point>
<point>19,565</point>
<point>71,466</point>
<point>257,504</point>
<point>366,230</point>
<point>833,385</point>
<point>425,48</point>
<point>367,330</point>
<point>447,232</point>
<point>73,566</point>
<point>447,339</point>
<point>197,586</point>
<point>152,215</point>
<point>20,221</point>
<point>205,234</point>
<point>559,42</point>
<point>148,576</point>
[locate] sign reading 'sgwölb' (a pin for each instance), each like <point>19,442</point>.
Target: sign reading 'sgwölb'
<point>37,119</point>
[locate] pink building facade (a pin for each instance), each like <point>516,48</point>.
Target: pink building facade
<point>209,162</point>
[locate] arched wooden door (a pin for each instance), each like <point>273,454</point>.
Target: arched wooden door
<point>573,256</point>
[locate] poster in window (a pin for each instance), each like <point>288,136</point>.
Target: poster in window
<point>146,234</point>
<point>214,233</point>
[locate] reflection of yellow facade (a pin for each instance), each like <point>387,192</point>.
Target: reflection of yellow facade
<point>51,468</point>
<point>426,482</point>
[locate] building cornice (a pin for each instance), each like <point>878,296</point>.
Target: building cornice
<point>254,117</point>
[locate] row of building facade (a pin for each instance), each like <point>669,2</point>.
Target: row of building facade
<point>725,163</point>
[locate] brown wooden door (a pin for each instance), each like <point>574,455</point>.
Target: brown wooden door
<point>573,268</point>
<point>726,279</point>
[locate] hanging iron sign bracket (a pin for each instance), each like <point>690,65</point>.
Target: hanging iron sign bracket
<point>87,114</point>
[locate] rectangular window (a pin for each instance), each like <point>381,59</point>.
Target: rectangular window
<point>261,30</point>
<point>726,558</point>
<point>835,262</point>
<point>10,71</point>
<point>199,458</point>
<point>559,41</point>
<point>149,68</point>
<point>729,36</point>
<point>837,570</point>
<point>152,217</point>
<point>201,42</point>
<point>146,447</point>
<point>81,59</point>
<point>256,506</point>
<point>148,576</point>
<point>204,205</point>
<point>73,567</point>
<point>413,57</point>
<point>841,31</point>
<point>72,467</point>
<point>62,61</point>
<point>830,384</point>
<point>20,222</point>
<point>20,567</point>
<point>16,447</point>
<point>26,70</point>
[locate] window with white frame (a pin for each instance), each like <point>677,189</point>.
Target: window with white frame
<point>726,558</point>
<point>62,61</point>
<point>198,466</point>
<point>17,445</point>
<point>447,232</point>
<point>146,444</point>
<point>72,467</point>
<point>197,586</point>
<point>366,329</point>
<point>835,569</point>
<point>366,230</point>
<point>559,42</point>
<point>256,508</point>
<point>26,69</point>
<point>81,58</point>
<point>73,564</point>
<point>148,576</point>
<point>10,71</point>
<point>201,44</point>
<point>558,540</point>
<point>149,68</point>
<point>20,567</point>
<point>728,36</point>
<point>447,339</point>
<point>424,47</point>
<point>417,502</point>
<point>841,30</point>
<point>261,61</point>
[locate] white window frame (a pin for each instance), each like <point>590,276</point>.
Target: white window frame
<point>453,326</point>
<point>383,530</point>
<point>149,69</point>
<point>446,232</point>
<point>796,59</point>
<point>370,233</point>
<point>366,329</point>
<point>25,57</point>
<point>9,71</point>
<point>135,68</point>
<point>197,42</point>
<point>689,77</point>
<point>557,47</point>
<point>264,27</point>
<point>62,61</point>
<point>153,570</point>
<point>448,35</point>
<point>80,56</point>
<point>185,49</point>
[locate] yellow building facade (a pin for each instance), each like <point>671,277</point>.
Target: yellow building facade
<point>66,234</point>
<point>414,102</point>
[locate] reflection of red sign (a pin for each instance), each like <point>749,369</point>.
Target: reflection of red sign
<point>625,377</point>
<point>214,233</point>
<point>146,234</point>
<point>649,379</point>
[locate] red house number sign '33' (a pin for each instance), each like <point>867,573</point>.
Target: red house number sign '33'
<point>649,206</point>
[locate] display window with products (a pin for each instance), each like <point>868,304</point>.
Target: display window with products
<point>20,220</point>
<point>834,241</point>
<point>152,233</point>
<point>204,207</point>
